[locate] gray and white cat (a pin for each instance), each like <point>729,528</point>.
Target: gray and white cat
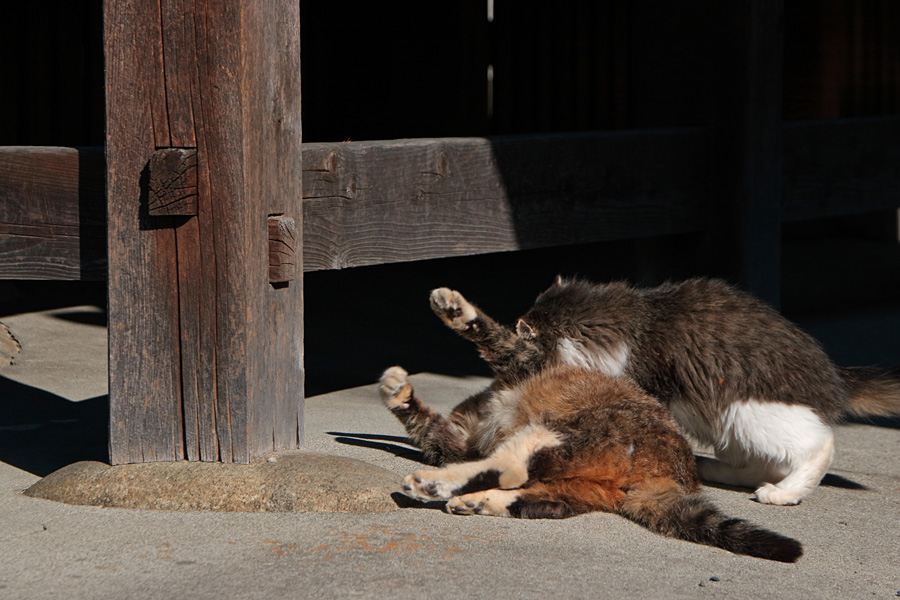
<point>734,373</point>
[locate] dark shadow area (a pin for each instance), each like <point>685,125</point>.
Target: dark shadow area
<point>92,212</point>
<point>31,296</point>
<point>397,439</point>
<point>98,319</point>
<point>889,422</point>
<point>360,321</point>
<point>41,432</point>
<point>830,480</point>
<point>365,441</point>
<point>838,481</point>
<point>404,501</point>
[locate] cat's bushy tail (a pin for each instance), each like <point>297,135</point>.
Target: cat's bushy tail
<point>873,392</point>
<point>694,518</point>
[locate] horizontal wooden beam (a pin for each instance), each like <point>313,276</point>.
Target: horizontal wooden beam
<point>379,202</point>
<point>52,213</point>
<point>376,202</point>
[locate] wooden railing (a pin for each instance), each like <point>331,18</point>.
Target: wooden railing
<point>367,203</point>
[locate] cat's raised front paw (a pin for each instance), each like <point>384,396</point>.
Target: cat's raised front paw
<point>452,308</point>
<point>394,387</point>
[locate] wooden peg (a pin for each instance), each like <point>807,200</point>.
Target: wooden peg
<point>282,249</point>
<point>173,182</point>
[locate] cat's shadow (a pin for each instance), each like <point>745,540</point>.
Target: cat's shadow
<point>829,480</point>
<point>393,444</point>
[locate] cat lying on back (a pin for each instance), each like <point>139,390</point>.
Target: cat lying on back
<point>735,374</point>
<point>558,441</point>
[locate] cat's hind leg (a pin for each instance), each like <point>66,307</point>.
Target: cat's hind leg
<point>782,449</point>
<point>440,439</point>
<point>807,471</point>
<point>505,468</point>
<point>552,499</point>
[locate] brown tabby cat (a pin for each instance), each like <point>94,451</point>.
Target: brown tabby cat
<point>555,441</point>
<point>735,374</point>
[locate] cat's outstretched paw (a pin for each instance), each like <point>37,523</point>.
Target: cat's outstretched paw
<point>429,485</point>
<point>452,308</point>
<point>394,388</point>
<point>493,503</point>
<point>772,494</point>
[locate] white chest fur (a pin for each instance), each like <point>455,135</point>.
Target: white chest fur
<point>610,361</point>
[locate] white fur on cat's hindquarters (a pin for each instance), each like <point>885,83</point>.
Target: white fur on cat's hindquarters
<point>452,308</point>
<point>803,478</point>
<point>394,388</point>
<point>785,449</point>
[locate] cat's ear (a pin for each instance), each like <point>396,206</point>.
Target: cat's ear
<point>558,282</point>
<point>524,330</point>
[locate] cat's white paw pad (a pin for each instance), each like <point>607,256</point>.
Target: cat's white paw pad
<point>493,503</point>
<point>772,494</point>
<point>426,486</point>
<point>452,308</point>
<point>394,388</point>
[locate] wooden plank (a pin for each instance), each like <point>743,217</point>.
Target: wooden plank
<point>831,168</point>
<point>173,183</point>
<point>283,249</point>
<point>52,213</point>
<point>205,354</point>
<point>144,338</point>
<point>374,202</point>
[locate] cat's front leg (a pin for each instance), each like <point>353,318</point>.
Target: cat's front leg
<point>440,439</point>
<point>453,309</point>
<point>509,353</point>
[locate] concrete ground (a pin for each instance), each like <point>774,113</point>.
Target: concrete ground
<point>52,413</point>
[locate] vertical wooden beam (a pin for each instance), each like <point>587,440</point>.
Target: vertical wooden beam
<point>203,144</point>
<point>745,227</point>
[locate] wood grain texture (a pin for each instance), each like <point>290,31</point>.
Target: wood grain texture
<point>375,202</point>
<point>144,337</point>
<point>831,168</point>
<point>220,369</point>
<point>52,213</point>
<point>283,249</point>
<point>173,183</point>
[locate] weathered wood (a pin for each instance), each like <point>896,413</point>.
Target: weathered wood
<point>52,213</point>
<point>831,168</point>
<point>173,183</point>
<point>282,249</point>
<point>374,202</point>
<point>205,355</point>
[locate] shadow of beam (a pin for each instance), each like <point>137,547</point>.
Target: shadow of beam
<point>41,432</point>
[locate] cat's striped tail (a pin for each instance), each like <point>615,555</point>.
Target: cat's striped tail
<point>693,518</point>
<point>873,392</point>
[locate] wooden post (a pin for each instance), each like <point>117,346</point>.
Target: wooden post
<point>746,195</point>
<point>203,145</point>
